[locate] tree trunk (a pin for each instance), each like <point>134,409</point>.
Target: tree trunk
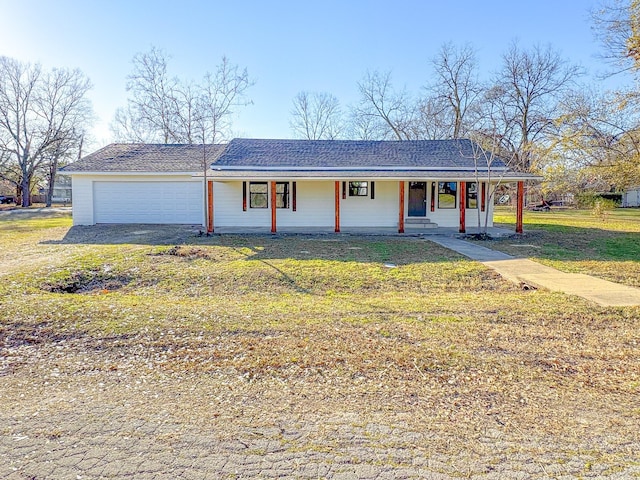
<point>53,169</point>
<point>26,193</point>
<point>49,194</point>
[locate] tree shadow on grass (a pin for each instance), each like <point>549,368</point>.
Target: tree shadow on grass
<point>129,235</point>
<point>389,250</point>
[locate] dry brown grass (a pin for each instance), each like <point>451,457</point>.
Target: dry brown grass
<point>237,332</point>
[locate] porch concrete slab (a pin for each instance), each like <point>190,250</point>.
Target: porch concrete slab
<point>522,270</point>
<point>385,231</point>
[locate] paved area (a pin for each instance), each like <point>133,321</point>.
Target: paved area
<point>528,272</point>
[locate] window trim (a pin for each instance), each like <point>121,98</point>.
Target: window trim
<point>252,195</point>
<point>359,190</point>
<point>471,195</point>
<point>285,195</point>
<point>441,185</point>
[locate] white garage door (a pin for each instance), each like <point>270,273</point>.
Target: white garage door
<point>148,202</point>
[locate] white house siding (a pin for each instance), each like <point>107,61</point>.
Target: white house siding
<point>314,206</point>
<point>227,207</point>
<point>82,188</point>
<point>161,199</point>
<point>381,211</point>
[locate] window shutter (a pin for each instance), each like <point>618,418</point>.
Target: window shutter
<point>244,196</point>
<point>433,196</point>
<point>293,194</point>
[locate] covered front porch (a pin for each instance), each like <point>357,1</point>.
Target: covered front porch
<point>361,205</point>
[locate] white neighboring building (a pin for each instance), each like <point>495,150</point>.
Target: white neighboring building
<point>631,197</point>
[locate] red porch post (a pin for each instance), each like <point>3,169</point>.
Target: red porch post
<point>337,207</point>
<point>463,204</point>
<point>519,206</point>
<point>273,207</point>
<point>401,209</point>
<point>209,207</point>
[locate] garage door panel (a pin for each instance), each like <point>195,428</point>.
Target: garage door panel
<point>148,202</point>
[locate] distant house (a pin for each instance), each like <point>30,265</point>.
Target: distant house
<point>280,185</point>
<point>631,197</point>
<point>61,189</point>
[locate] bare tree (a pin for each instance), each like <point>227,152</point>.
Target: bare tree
<point>220,93</point>
<point>316,116</point>
<point>42,116</point>
<point>486,160</point>
<point>393,110</point>
<point>456,88</point>
<point>601,133</point>
<point>527,90</point>
<point>488,152</point>
<point>363,127</point>
<point>151,108</point>
<point>433,119</point>
<point>186,113</point>
<point>617,26</point>
<point>166,109</point>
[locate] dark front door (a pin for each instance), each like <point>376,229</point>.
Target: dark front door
<point>417,199</point>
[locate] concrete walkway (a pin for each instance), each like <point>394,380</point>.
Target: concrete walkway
<point>522,270</point>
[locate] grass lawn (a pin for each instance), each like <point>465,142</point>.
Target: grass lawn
<point>578,241</point>
<point>340,352</point>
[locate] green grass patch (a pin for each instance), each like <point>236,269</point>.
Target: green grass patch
<point>578,241</point>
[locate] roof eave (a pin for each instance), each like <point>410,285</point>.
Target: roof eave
<point>374,176</point>
<point>341,168</point>
<point>123,173</point>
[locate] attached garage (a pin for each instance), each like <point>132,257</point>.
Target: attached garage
<point>160,202</point>
<point>141,183</point>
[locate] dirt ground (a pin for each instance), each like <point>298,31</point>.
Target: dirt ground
<point>182,403</point>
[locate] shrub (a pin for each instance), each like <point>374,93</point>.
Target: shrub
<point>589,199</point>
<point>602,206</point>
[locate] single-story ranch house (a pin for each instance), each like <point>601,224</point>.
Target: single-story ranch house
<point>277,185</point>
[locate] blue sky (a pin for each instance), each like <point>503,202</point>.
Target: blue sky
<point>287,46</point>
